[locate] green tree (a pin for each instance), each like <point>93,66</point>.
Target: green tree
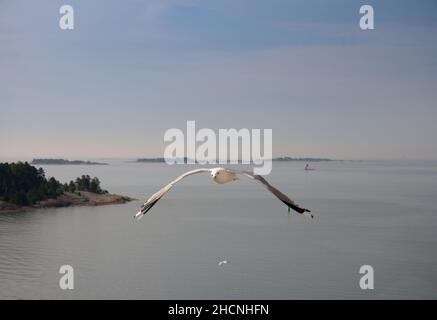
<point>23,184</point>
<point>71,186</point>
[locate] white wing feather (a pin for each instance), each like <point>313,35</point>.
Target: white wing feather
<point>158,195</point>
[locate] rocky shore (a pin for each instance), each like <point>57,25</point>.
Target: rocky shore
<point>67,199</point>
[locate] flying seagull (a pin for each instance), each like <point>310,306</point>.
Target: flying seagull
<point>222,263</point>
<point>222,175</point>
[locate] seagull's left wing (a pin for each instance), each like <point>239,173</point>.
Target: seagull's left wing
<point>155,198</point>
<point>284,198</point>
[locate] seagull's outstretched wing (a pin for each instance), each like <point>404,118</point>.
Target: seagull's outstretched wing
<point>155,198</point>
<point>284,198</point>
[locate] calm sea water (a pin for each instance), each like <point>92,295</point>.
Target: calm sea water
<point>381,214</point>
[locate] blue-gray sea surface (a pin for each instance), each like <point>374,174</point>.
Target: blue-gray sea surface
<point>377,213</point>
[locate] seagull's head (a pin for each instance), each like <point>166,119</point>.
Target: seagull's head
<point>222,175</point>
<point>215,173</point>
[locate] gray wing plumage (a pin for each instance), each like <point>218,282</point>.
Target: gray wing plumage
<point>284,198</point>
<point>158,195</point>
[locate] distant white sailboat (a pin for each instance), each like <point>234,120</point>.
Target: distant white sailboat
<point>308,168</point>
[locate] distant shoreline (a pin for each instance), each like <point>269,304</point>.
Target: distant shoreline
<point>68,199</point>
<point>149,160</point>
<point>285,159</point>
<point>279,159</point>
<point>65,162</point>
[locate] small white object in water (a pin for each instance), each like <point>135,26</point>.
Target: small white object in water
<point>222,262</point>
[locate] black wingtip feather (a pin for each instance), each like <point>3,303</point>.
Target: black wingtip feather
<point>296,208</point>
<point>148,206</point>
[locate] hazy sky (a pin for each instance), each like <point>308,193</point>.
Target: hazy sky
<point>132,69</point>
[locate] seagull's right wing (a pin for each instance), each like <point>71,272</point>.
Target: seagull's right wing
<point>155,198</point>
<point>284,198</point>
